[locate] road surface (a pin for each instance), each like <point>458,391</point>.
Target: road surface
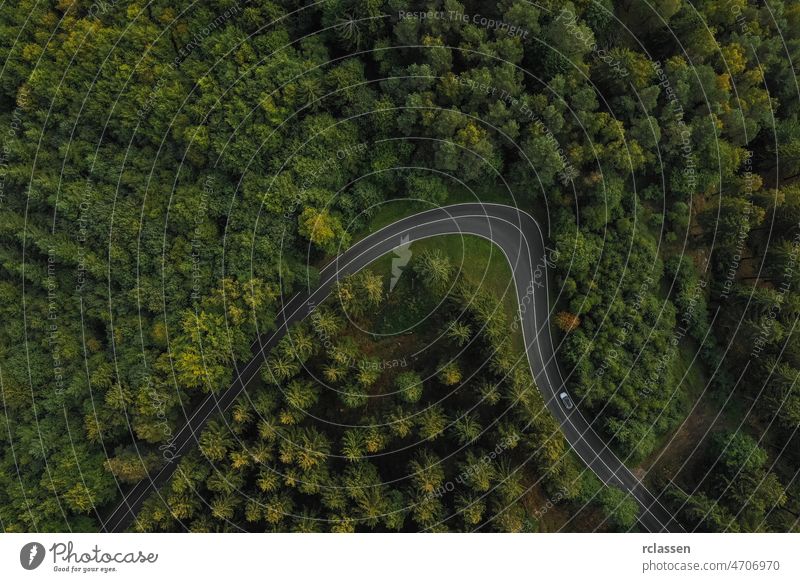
<point>519,237</point>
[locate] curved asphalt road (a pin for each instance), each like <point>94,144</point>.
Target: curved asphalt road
<point>521,240</point>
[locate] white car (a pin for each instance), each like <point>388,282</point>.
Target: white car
<point>566,400</point>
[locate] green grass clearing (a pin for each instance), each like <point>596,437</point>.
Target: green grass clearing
<point>479,261</point>
<point>397,208</point>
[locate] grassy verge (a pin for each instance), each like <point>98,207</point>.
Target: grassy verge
<point>393,210</point>
<point>476,259</point>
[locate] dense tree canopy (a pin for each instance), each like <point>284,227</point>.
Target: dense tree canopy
<point>172,172</point>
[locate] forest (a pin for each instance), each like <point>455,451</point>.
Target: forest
<point>172,172</point>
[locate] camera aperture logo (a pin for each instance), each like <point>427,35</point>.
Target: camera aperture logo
<point>31,555</point>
